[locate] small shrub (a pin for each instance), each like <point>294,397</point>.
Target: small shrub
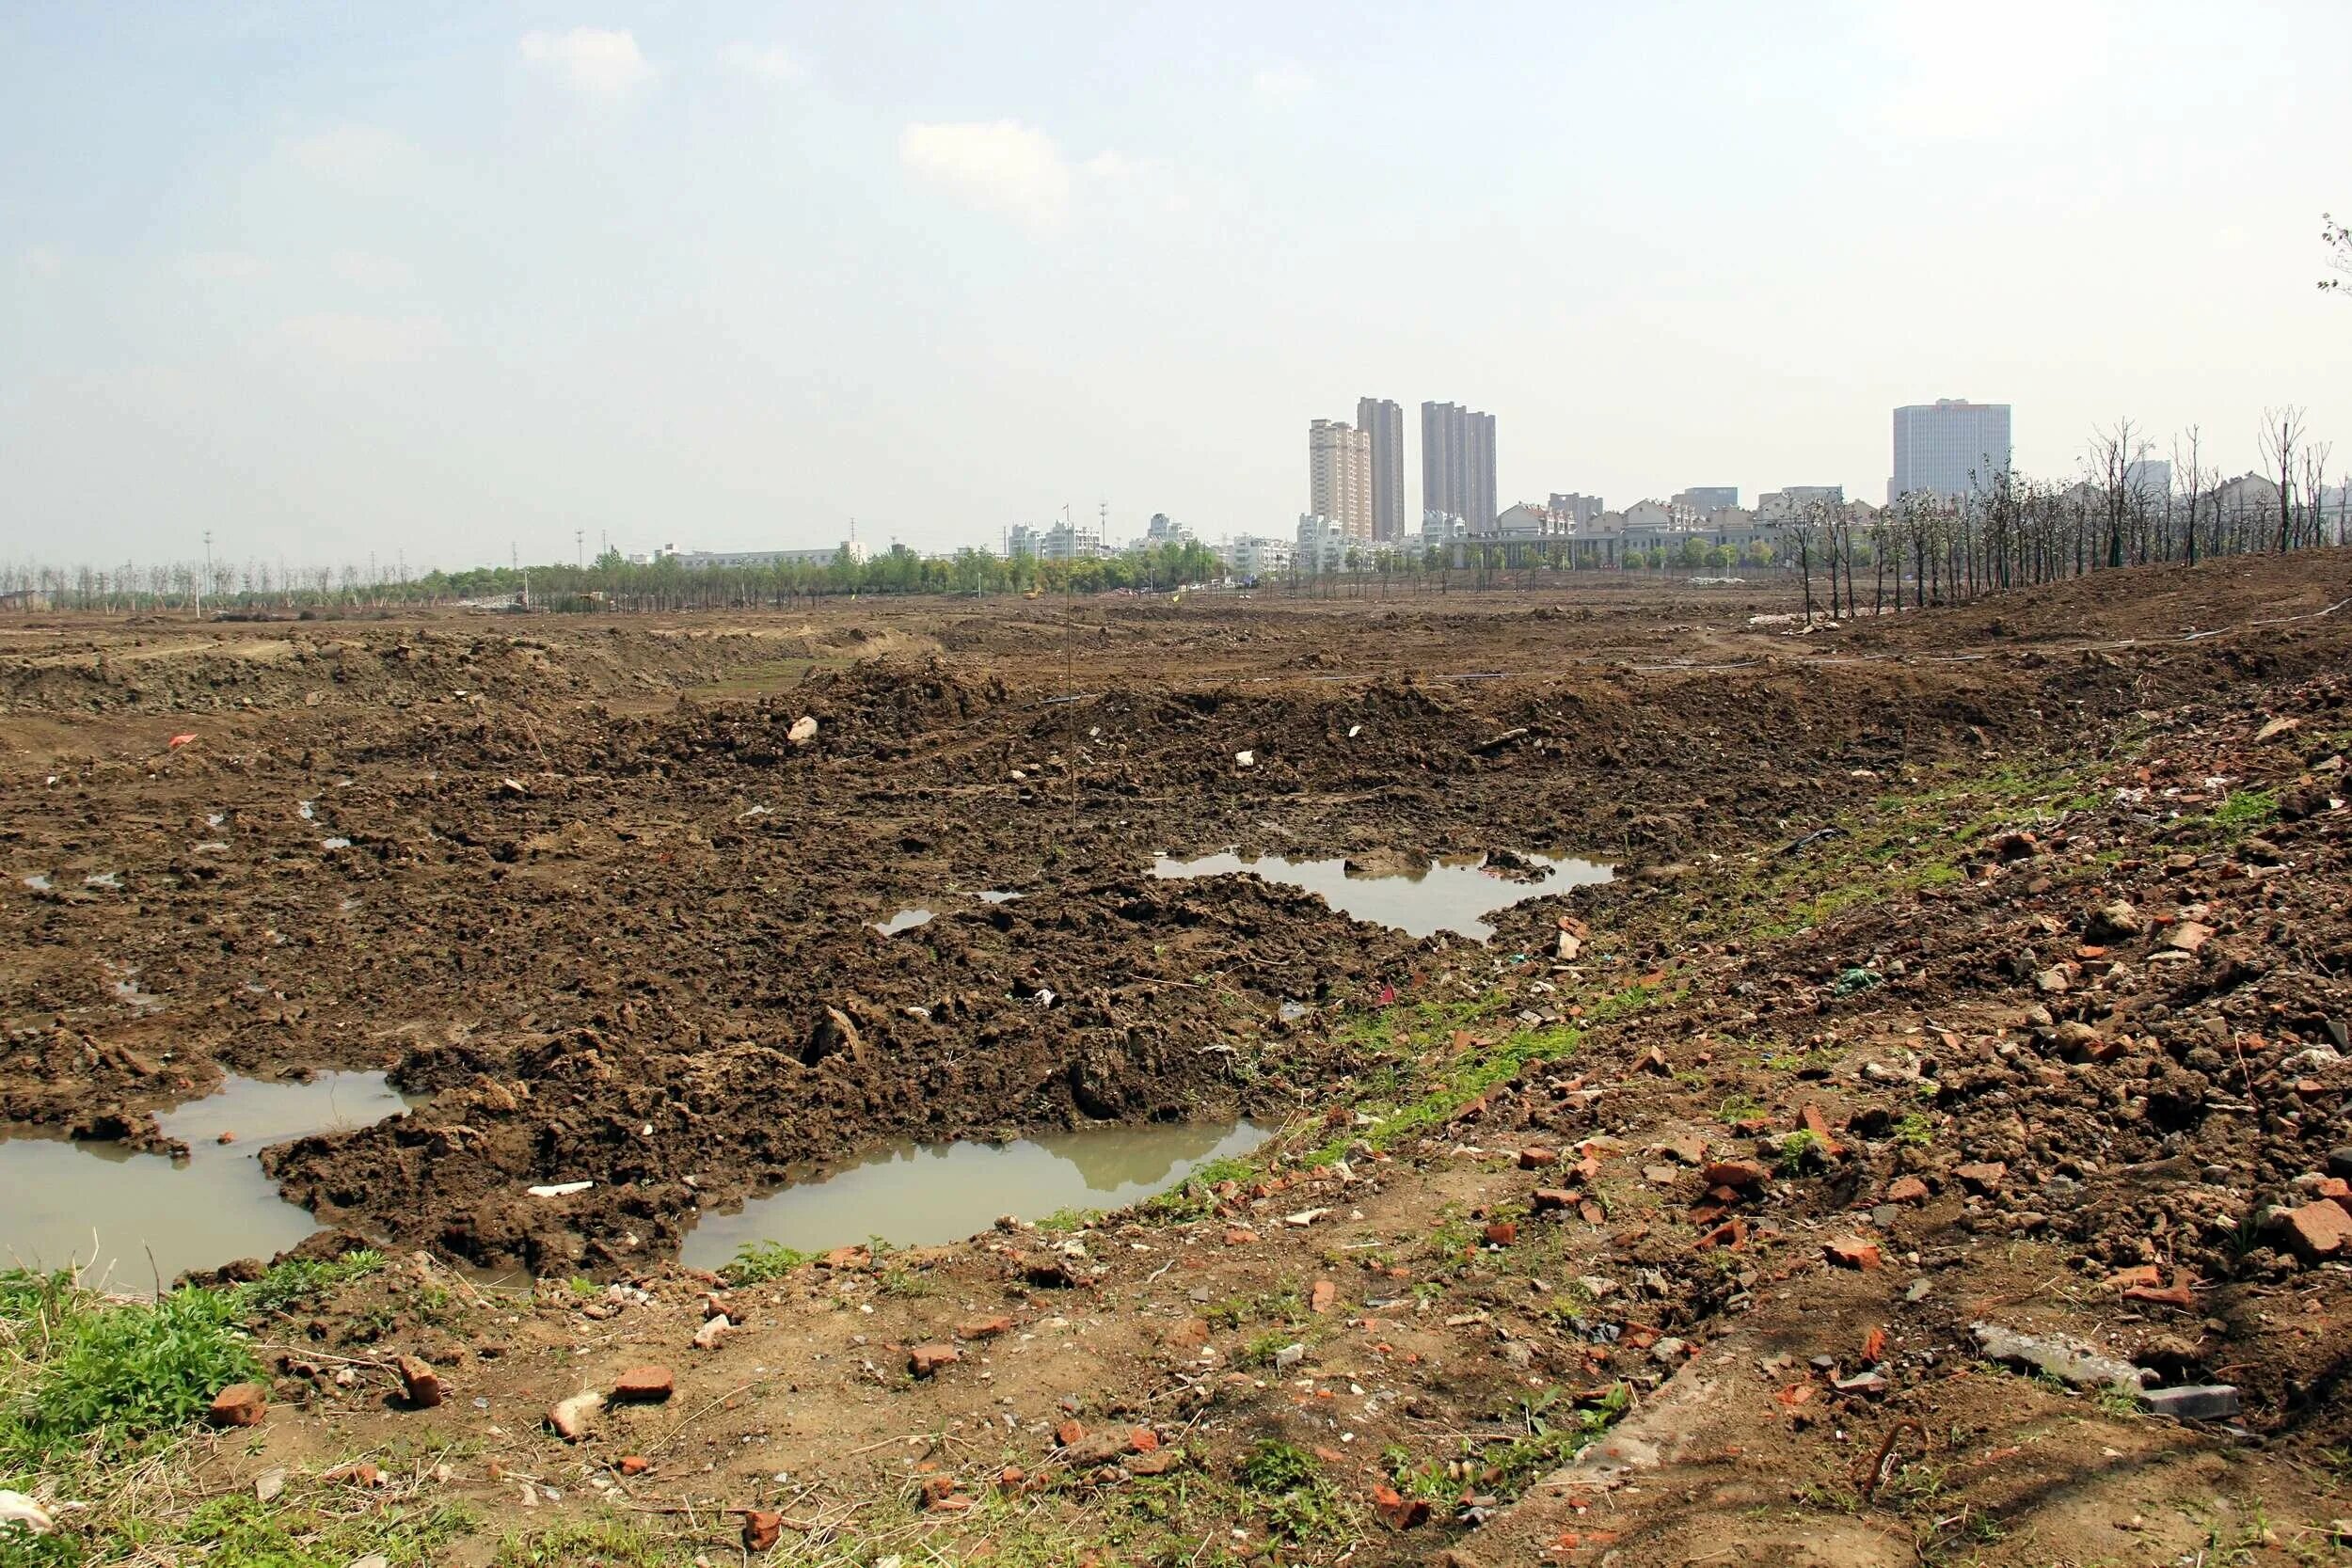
<point>1798,1151</point>
<point>1915,1131</point>
<point>756,1262</point>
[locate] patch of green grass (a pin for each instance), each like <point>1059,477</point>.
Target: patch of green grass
<point>1195,1198</point>
<point>237,1531</point>
<point>1302,1504</point>
<point>616,1543</point>
<point>1260,1349</point>
<point>1798,1151</point>
<point>299,1280</point>
<point>2244,810</point>
<point>756,1262</point>
<point>119,1373</point>
<point>1738,1107</point>
<point>1914,1130</point>
<point>899,1280</point>
<point>1068,1219</point>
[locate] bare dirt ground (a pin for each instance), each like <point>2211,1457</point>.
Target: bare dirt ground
<point>1746,1178</point>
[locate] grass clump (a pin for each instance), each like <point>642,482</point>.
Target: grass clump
<point>1301,1503</point>
<point>1799,1151</point>
<point>114,1373</point>
<point>299,1280</point>
<point>1914,1130</point>
<point>756,1262</point>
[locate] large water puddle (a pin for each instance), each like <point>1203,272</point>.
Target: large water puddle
<point>139,1218</point>
<point>924,1194</point>
<point>1450,894</point>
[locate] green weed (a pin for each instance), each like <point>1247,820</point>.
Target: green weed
<point>756,1262</point>
<point>299,1280</point>
<point>120,1373</point>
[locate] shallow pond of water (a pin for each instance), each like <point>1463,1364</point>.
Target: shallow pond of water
<point>1447,895</point>
<point>905,920</point>
<point>923,1195</point>
<point>100,1204</point>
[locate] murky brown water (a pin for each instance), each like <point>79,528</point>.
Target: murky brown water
<point>922,1194</point>
<point>1449,895</point>
<point>133,1219</point>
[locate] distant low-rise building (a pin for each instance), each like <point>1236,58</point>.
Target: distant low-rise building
<point>1323,543</point>
<point>1255,557</point>
<point>1071,541</point>
<point>1162,530</point>
<point>1703,499</point>
<point>1583,511</point>
<point>701,561</point>
<point>1778,506</point>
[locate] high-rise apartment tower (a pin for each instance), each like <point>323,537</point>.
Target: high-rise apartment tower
<point>1338,476</point>
<point>1383,421</point>
<point>1457,463</point>
<point>1949,446</point>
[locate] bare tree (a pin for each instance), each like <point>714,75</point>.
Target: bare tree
<point>2315,491</point>
<point>2283,434</point>
<point>2338,239</point>
<point>2188,473</point>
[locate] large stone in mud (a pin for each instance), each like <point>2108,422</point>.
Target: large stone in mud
<point>1098,1081</point>
<point>834,1036</point>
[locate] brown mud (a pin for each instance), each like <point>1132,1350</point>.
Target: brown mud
<point>2052,1026</point>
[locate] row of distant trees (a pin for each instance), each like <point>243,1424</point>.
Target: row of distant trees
<point>2010,529</point>
<point>2013,530</point>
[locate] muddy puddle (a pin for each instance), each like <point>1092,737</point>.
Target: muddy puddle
<point>924,1194</point>
<point>1449,894</point>
<point>905,920</point>
<point>110,1211</point>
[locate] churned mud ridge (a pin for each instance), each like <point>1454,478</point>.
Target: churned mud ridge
<point>1137,1001</point>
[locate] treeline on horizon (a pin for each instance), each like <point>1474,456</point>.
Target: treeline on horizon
<point>2012,530</point>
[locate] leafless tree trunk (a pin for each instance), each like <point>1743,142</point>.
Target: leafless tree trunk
<point>2282,434</point>
<point>2188,474</point>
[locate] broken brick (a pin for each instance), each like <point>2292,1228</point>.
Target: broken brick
<point>1851,1252</point>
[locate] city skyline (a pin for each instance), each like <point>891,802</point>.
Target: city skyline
<point>329,280</point>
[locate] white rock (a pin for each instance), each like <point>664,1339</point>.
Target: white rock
<point>18,1509</point>
<point>803,730</point>
<point>561,1189</point>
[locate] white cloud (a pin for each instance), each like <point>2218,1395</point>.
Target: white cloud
<point>357,339</point>
<point>42,260</point>
<point>766,62</point>
<point>363,270</point>
<point>999,166</point>
<point>349,151</point>
<point>600,62</point>
<point>1283,83</point>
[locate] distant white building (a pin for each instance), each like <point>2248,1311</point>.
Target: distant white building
<point>1162,530</point>
<point>1949,448</point>
<point>1071,541</point>
<point>701,561</point>
<point>1256,556</point>
<point>1779,506</point>
<point>1323,543</point>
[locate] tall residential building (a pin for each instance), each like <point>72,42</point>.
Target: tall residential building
<point>1339,477</point>
<point>1703,499</point>
<point>1457,463</point>
<point>1949,446</point>
<point>1383,420</point>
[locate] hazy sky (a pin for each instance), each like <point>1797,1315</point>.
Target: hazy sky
<point>439,278</point>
